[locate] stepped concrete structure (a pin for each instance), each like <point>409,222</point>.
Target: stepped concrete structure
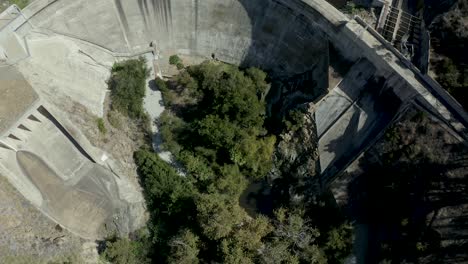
<point>66,47</point>
<point>53,166</point>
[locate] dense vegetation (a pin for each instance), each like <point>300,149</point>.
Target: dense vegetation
<point>410,194</point>
<point>449,33</point>
<point>127,86</point>
<point>214,127</point>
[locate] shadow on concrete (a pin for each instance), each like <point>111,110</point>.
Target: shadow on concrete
<point>294,52</point>
<point>373,109</point>
<point>64,131</point>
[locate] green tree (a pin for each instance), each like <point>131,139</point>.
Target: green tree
<point>339,242</point>
<point>165,190</point>
<point>278,252</point>
<point>231,181</point>
<point>216,132</point>
<point>258,77</point>
<point>127,85</point>
<point>125,251</point>
<point>218,215</point>
<point>184,248</point>
<point>254,154</point>
<point>174,60</point>
<point>245,243</point>
<point>293,240</point>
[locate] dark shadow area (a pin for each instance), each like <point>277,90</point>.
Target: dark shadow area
<point>152,85</point>
<point>373,109</point>
<point>294,54</point>
<point>257,199</point>
<point>410,204</point>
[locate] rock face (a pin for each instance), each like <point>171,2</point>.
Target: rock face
<point>296,158</point>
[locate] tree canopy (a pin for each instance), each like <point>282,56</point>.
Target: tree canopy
<point>214,126</point>
<point>127,85</point>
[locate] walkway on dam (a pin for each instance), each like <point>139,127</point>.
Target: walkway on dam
<point>351,116</point>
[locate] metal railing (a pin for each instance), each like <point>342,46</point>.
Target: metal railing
<point>435,88</point>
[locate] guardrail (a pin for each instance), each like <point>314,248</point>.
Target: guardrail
<point>445,98</point>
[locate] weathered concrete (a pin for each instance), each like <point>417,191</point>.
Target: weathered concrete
<point>239,32</point>
<point>59,67</point>
<point>17,95</point>
<point>69,45</point>
<point>52,169</point>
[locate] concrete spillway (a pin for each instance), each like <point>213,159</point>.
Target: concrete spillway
<point>66,47</point>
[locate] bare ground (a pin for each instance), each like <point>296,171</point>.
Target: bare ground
<point>27,236</point>
<point>119,142</point>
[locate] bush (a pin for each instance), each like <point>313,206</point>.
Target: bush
<point>180,66</point>
<point>220,141</point>
<point>449,75</point>
<point>20,3</point>
<point>115,119</point>
<point>125,251</point>
<point>174,60</point>
<point>294,120</point>
<point>127,85</point>
<point>161,84</point>
<point>101,126</point>
<point>170,127</point>
<point>168,96</point>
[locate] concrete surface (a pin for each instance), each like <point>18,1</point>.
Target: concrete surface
<point>239,32</point>
<point>82,207</point>
<point>67,46</point>
<point>17,95</point>
<point>56,174</point>
<point>28,236</point>
<point>351,115</point>
<point>56,170</point>
<point>59,67</point>
<point>154,106</point>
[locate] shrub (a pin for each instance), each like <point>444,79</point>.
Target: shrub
<point>20,3</point>
<point>115,119</point>
<point>125,251</point>
<point>101,126</point>
<point>174,60</point>
<point>127,85</point>
<point>161,84</point>
<point>180,66</point>
<point>294,120</point>
<point>170,126</point>
<point>168,96</point>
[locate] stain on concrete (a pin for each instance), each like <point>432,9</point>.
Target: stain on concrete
<point>143,12</point>
<point>82,208</point>
<point>122,15</point>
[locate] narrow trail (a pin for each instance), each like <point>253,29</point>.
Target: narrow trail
<point>154,106</point>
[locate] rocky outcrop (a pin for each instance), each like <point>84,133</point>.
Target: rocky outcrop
<point>296,159</point>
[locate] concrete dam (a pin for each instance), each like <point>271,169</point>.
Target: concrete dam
<point>65,48</point>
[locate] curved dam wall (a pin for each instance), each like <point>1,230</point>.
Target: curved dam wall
<point>269,33</point>
<point>287,37</point>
